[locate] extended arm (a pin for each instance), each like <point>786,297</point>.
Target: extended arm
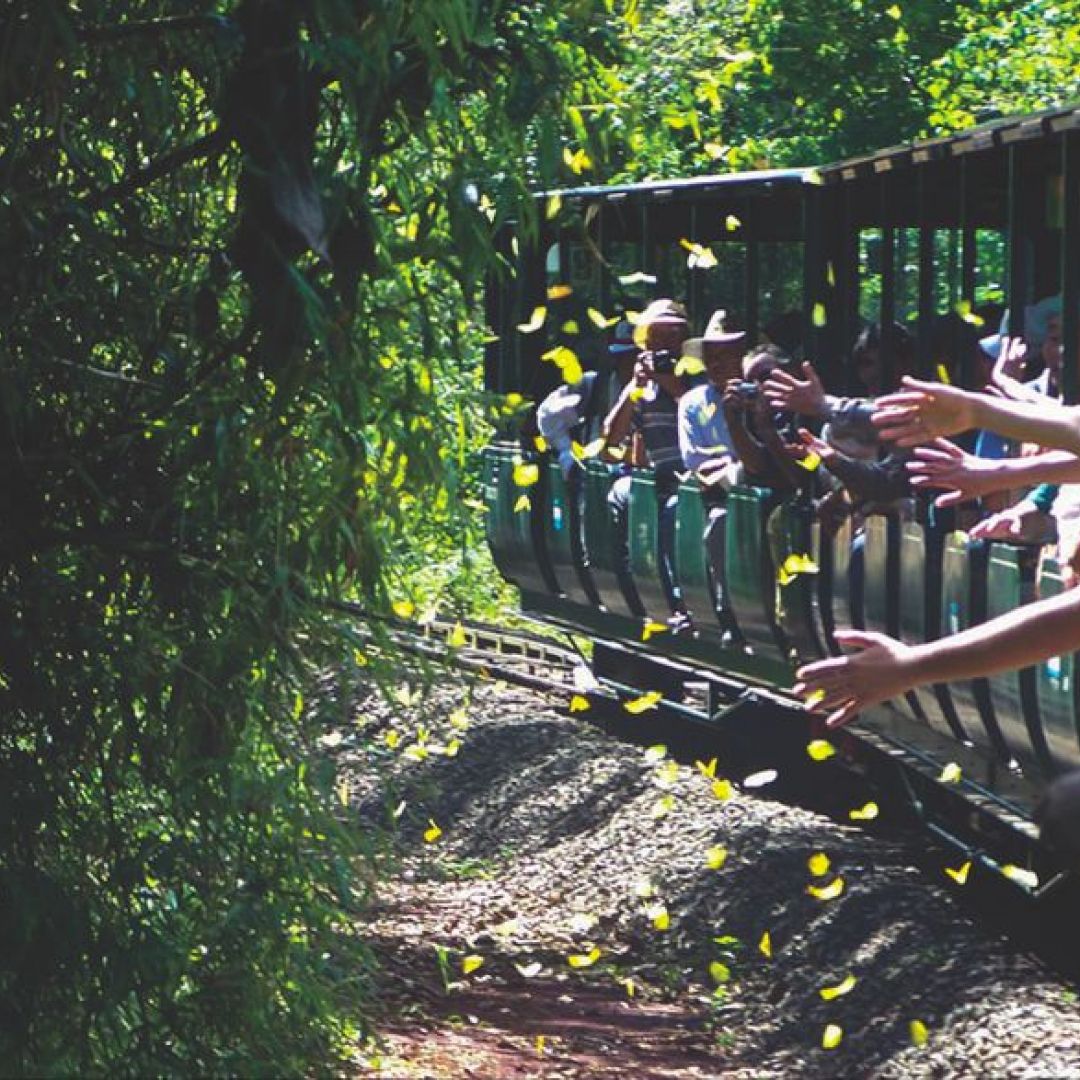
<point>616,424</point>
<point>885,668</point>
<point>925,410</point>
<point>944,465</point>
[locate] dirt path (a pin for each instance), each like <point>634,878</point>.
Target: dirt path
<point>521,838</point>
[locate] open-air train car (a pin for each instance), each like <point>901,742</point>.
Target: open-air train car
<point>979,222</point>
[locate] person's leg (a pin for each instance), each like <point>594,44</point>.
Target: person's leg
<point>618,501</point>
<point>715,540</point>
<point>667,501</point>
<point>575,504</point>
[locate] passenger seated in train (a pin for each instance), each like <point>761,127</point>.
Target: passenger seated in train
<point>847,420</point>
<point>706,443</point>
<point>648,405</point>
<point>567,416</point>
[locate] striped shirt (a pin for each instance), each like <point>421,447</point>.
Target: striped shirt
<point>656,417</point>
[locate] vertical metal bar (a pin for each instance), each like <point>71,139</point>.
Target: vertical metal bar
<point>847,274</point>
<point>602,231</point>
<point>753,282</point>
<point>926,278</point>
<point>968,256</point>
<point>811,199</point>
<point>888,272</point>
<point>1070,265</point>
<point>697,282</point>
<point>648,263</point>
<point>1017,291</point>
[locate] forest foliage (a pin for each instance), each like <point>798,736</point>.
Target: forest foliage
<point>244,243</point>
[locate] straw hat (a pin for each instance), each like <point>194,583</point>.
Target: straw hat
<point>715,334</point>
<point>663,310</point>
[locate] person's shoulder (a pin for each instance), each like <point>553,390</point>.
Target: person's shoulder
<point>696,395</point>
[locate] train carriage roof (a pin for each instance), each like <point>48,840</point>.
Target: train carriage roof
<point>991,135</point>
<point>763,180</point>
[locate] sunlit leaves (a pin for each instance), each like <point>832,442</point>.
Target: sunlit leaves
<point>918,1032</point>
<point>579,703</point>
<point>765,945</point>
<point>471,963</point>
<point>810,461</point>
<point>553,206</point>
<point>529,971</point>
<point>457,637</point>
<point>652,628</point>
<point>522,503</point>
<point>559,292</point>
<point>866,812</point>
<point>432,832</point>
<point>707,768</point>
<point>818,315</point>
<point>818,864</point>
<point>832,1036</point>
<point>403,609</point>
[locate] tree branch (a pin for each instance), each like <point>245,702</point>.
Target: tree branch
<point>152,27</point>
<point>208,146</point>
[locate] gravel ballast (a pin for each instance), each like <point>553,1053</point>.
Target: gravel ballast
<point>518,837</point>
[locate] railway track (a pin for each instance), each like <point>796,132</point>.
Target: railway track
<point>701,715</point>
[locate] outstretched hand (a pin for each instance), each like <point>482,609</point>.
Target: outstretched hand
<point>882,669</point>
<point>924,411</point>
<point>1023,523</point>
<point>942,464</point>
<point>786,392</point>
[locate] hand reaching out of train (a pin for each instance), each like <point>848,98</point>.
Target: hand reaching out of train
<point>1022,523</point>
<point>1068,548</point>
<point>924,411</point>
<point>786,392</point>
<point>942,464</point>
<point>880,669</point>
<point>808,444</point>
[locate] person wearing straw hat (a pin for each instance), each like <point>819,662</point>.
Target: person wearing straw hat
<point>648,405</point>
<point>706,444</point>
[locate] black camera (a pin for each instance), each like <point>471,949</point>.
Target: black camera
<point>663,361</point>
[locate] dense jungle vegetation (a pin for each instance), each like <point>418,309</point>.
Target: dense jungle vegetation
<point>243,244</point>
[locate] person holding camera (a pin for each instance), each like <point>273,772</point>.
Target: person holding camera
<point>648,406</point>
